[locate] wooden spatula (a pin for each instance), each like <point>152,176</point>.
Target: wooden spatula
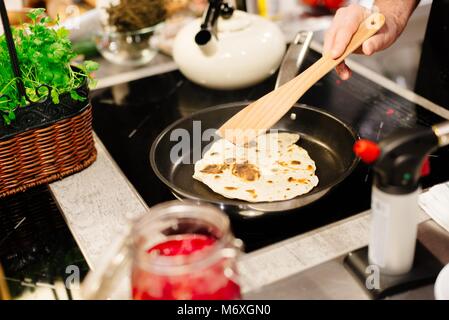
<point>262,114</point>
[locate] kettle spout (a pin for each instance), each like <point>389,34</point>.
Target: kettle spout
<point>206,42</point>
<point>205,37</point>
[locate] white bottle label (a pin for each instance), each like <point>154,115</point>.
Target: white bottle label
<point>381,212</point>
<point>393,231</point>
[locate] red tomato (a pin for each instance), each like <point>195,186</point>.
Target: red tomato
<point>330,4</point>
<point>311,2</point>
<point>333,4</point>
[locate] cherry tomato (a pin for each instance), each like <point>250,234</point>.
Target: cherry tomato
<point>329,4</point>
<point>333,4</point>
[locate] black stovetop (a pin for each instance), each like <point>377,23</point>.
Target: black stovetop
<point>128,117</point>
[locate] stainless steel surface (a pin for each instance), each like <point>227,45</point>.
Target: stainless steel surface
<point>110,74</point>
<point>328,281</point>
<point>442,132</point>
<point>435,239</point>
<point>98,204</point>
<point>294,57</point>
<point>331,280</point>
<point>307,251</point>
<point>100,284</point>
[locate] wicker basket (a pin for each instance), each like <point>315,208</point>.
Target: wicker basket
<point>45,143</point>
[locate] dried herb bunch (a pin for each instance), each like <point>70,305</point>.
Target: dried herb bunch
<point>133,15</point>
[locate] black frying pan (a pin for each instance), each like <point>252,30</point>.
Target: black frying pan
<point>328,140</point>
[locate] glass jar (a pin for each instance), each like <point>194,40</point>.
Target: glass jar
<point>128,27</point>
<point>180,250</point>
<point>184,251</point>
<point>132,48</point>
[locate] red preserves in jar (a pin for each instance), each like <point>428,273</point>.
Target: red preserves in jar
<point>185,252</point>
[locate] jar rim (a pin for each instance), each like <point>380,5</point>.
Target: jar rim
<point>108,30</point>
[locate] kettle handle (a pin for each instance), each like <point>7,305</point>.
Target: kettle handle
<point>294,57</point>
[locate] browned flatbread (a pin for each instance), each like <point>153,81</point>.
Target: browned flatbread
<point>273,169</point>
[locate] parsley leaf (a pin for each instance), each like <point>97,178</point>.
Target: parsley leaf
<point>45,54</point>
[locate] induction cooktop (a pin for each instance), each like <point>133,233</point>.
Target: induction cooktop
<point>128,117</point>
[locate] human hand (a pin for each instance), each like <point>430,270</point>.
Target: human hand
<point>346,23</point>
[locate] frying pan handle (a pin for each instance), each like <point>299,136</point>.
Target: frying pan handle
<point>294,57</point>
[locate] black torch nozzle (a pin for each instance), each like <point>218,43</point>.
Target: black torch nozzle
<point>399,159</point>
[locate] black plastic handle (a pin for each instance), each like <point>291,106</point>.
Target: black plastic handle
<point>398,169</point>
<point>215,9</point>
<point>11,48</point>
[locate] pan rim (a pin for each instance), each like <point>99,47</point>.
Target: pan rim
<point>242,203</point>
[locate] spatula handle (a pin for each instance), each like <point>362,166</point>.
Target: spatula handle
<point>262,114</point>
<point>287,95</point>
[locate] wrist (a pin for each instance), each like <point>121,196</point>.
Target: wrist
<point>397,13</point>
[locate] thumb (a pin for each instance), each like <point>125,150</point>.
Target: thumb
<point>374,44</point>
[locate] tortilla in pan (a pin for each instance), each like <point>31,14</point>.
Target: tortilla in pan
<point>273,168</point>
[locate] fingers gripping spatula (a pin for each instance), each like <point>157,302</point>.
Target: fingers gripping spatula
<point>261,115</point>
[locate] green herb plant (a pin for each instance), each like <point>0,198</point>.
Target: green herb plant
<point>45,53</point>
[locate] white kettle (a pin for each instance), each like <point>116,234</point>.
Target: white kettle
<point>228,49</point>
